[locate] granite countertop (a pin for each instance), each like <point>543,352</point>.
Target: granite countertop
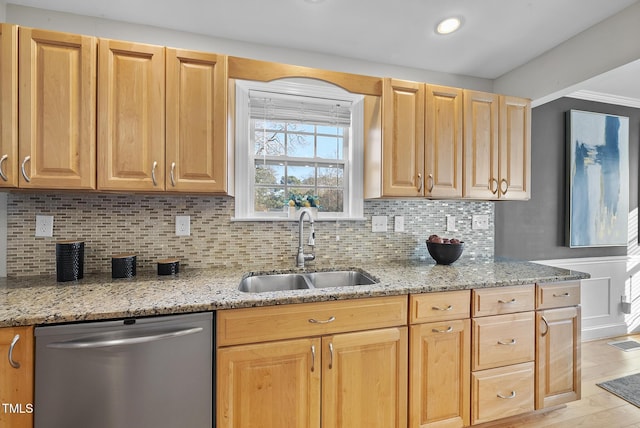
<point>42,300</point>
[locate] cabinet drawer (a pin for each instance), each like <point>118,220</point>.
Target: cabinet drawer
<point>443,306</point>
<point>502,300</point>
<point>503,339</point>
<point>251,325</point>
<point>502,392</point>
<point>557,295</point>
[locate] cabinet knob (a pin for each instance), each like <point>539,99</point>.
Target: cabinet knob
<point>493,185</point>
<point>504,186</point>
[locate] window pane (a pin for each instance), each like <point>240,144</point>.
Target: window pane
<point>300,127</point>
<point>330,130</point>
<point>331,176</point>
<point>300,145</point>
<point>330,147</point>
<point>270,199</point>
<point>301,175</point>
<point>269,174</point>
<point>269,125</point>
<point>331,200</point>
<point>270,143</point>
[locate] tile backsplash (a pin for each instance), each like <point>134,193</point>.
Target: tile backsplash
<point>145,225</point>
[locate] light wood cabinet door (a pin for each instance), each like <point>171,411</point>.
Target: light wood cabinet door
<point>557,356</point>
<point>131,111</point>
<point>515,148</point>
<point>481,133</point>
<point>403,138</point>
<point>439,380</point>
<point>196,146</point>
<point>364,379</point>
<point>8,105</point>
<point>269,385</point>
<point>57,122</point>
<point>16,383</point>
<point>443,142</point>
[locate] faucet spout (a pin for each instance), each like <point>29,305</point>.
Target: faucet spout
<point>301,257</point>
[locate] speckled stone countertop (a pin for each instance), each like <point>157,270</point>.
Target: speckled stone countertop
<point>42,300</point>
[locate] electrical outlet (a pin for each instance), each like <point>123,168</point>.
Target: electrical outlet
<point>379,223</point>
<point>398,223</point>
<point>183,225</point>
<point>480,221</point>
<point>44,225</point>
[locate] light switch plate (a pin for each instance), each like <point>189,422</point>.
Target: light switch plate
<point>451,223</point>
<point>44,225</point>
<point>398,223</point>
<point>183,225</point>
<point>379,223</point>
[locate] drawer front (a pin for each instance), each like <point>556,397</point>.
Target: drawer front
<point>442,306</point>
<point>503,339</point>
<point>252,325</point>
<point>557,295</point>
<point>503,300</point>
<point>502,392</point>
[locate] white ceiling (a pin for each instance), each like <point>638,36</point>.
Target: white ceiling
<point>496,37</point>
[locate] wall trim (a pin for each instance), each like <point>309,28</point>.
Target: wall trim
<point>605,98</point>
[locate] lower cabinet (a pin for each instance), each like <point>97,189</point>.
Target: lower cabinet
<point>332,378</point>
<point>16,377</point>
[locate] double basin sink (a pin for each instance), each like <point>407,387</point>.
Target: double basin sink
<point>304,281</point>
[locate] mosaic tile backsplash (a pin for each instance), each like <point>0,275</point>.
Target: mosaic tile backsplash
<point>145,225</point>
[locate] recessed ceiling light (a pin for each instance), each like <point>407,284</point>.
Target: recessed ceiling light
<point>448,26</point>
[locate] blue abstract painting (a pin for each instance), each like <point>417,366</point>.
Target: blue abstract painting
<point>598,146</point>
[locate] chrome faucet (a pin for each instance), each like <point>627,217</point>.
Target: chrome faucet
<point>302,257</point>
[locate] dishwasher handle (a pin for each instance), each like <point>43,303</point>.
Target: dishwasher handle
<point>104,343</point>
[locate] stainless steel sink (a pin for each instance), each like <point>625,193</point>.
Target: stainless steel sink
<point>298,281</point>
<point>343,278</point>
<point>266,283</point>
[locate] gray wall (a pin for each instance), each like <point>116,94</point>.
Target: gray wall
<point>535,230</point>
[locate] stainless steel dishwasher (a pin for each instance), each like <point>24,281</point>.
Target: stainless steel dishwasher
<point>132,373</point>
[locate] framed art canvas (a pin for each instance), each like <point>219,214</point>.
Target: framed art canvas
<point>598,169</point>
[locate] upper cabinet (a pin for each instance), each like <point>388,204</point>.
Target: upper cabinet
<point>8,105</point>
<point>402,138</point>
<point>57,120</point>
<point>497,146</point>
<point>443,142</point>
<point>131,111</point>
<point>196,147</point>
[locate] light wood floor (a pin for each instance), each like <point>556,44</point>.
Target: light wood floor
<point>597,408</point>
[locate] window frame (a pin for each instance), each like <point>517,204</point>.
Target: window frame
<point>353,177</point>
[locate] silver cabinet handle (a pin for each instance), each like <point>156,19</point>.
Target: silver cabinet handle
<point>105,343</point>
<point>448,330</point>
<point>153,173</point>
<point>330,355</point>
<point>431,183</point>
<point>504,189</point>
<point>493,189</point>
<point>562,295</point>
<point>507,302</point>
<point>14,364</point>
<point>420,182</point>
<point>546,323</point>
<point>313,358</point>
<point>327,321</point>
<point>171,174</point>
<point>511,342</point>
<point>507,397</point>
<point>2,174</point>
<point>437,308</point>
<point>24,171</point>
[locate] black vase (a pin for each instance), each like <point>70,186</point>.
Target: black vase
<point>69,260</point>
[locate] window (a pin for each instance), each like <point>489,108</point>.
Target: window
<point>297,138</point>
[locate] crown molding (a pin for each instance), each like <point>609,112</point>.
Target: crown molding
<point>605,98</point>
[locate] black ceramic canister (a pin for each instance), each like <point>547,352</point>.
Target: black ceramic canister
<point>69,260</point>
<point>168,267</point>
<point>123,266</point>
